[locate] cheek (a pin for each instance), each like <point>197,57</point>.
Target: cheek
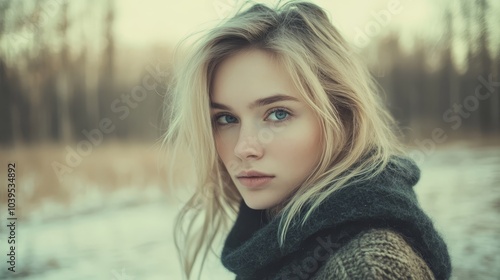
<point>223,147</point>
<point>219,146</point>
<point>299,143</point>
<point>297,150</point>
<point>225,151</point>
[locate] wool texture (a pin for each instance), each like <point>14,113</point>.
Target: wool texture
<point>374,254</point>
<point>377,225</point>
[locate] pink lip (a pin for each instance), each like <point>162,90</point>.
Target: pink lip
<point>253,173</point>
<point>254,182</point>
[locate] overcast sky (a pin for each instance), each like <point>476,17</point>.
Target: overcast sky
<point>143,22</point>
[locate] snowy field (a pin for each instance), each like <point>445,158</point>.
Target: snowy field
<point>114,237</point>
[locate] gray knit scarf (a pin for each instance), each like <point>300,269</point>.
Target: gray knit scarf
<point>251,249</point>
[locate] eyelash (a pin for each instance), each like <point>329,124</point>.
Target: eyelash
<point>274,110</point>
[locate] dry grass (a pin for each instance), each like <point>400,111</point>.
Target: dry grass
<point>108,167</point>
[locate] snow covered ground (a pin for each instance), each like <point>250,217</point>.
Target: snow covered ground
<point>460,190</point>
<point>114,238</point>
<point>120,241</point>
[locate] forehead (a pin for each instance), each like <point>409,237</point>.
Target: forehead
<point>250,74</point>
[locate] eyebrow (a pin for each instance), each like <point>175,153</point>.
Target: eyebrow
<point>258,103</point>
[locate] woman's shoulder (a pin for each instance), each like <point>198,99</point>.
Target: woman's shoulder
<point>375,254</point>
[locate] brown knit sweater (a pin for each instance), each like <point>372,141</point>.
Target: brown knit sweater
<point>375,254</point>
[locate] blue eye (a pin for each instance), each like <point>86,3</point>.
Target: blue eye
<point>280,114</point>
<point>228,119</point>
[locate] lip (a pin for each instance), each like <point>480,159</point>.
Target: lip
<point>253,173</point>
<point>254,182</point>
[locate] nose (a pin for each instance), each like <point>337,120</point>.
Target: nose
<point>248,147</point>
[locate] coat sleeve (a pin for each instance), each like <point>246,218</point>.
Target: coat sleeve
<point>375,254</point>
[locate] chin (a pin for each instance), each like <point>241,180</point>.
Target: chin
<point>257,204</point>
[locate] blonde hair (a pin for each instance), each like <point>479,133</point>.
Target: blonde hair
<point>359,135</point>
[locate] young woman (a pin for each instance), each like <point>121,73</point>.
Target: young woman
<point>286,131</point>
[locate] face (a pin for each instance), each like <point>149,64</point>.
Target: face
<point>261,124</point>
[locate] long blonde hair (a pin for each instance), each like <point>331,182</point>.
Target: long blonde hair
<point>359,135</point>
